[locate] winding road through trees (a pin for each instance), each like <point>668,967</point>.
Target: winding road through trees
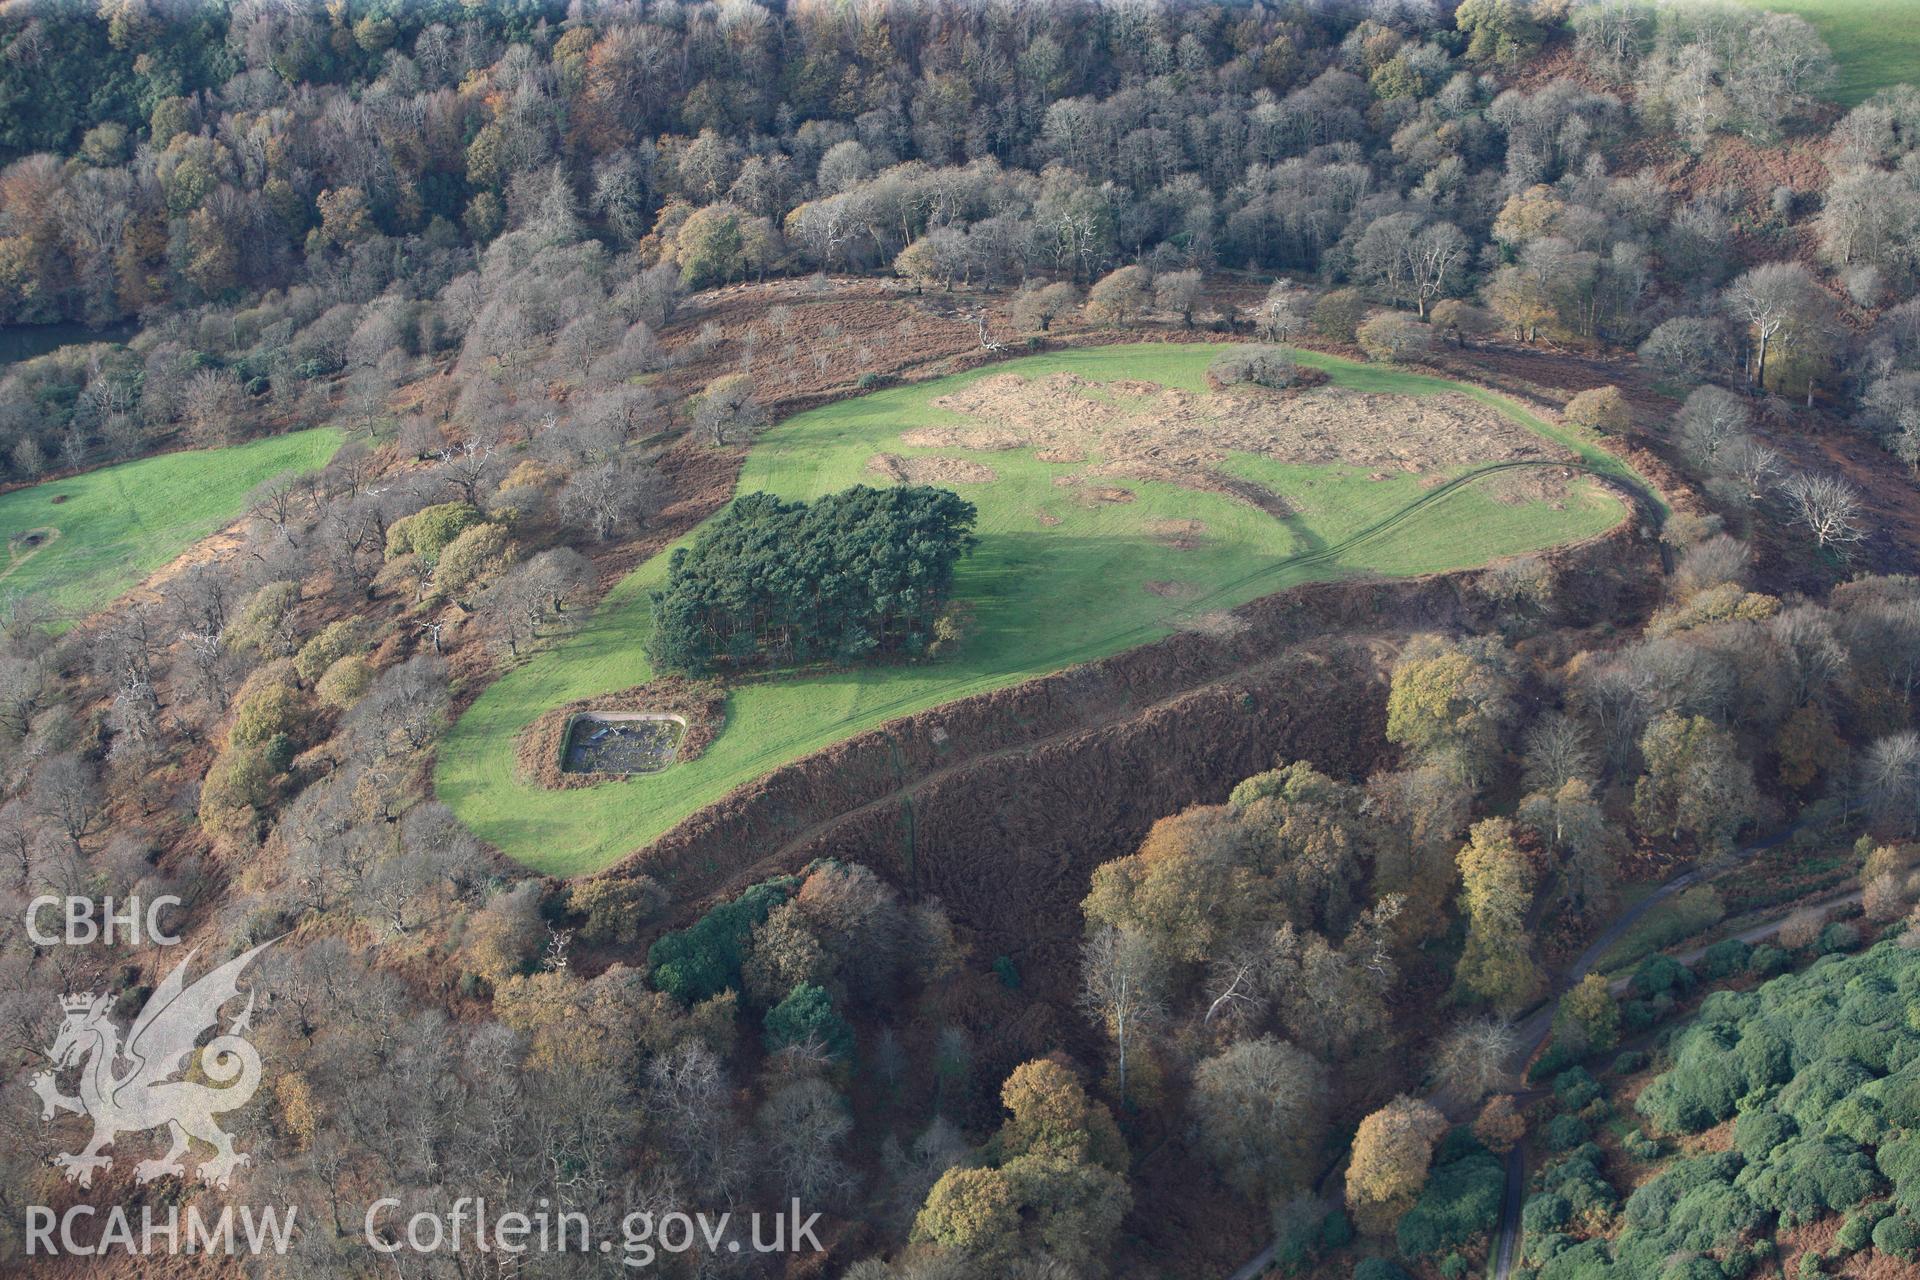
<point>1533,1028</point>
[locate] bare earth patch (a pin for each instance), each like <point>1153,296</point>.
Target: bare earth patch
<point>1172,590</point>
<point>1213,622</point>
<point>1533,484</point>
<point>1147,430</point>
<point>931,469</point>
<point>25,545</point>
<point>1181,535</point>
<point>983,439</point>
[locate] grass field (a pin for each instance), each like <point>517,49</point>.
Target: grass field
<point>1678,918</point>
<point>1053,583</point>
<point>82,541</point>
<point>1875,42</point>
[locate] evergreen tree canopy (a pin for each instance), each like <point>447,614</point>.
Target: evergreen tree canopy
<point>854,574</point>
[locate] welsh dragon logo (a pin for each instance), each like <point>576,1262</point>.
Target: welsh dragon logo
<point>127,1088</point>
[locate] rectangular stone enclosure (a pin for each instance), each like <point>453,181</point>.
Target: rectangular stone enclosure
<point>621,742</point>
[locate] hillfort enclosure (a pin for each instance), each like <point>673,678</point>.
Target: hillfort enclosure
<point>960,639</point>
<point>1113,510</point>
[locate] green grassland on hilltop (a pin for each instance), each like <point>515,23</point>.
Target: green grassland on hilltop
<point>81,541</point>
<point>1055,582</point>
<point>1876,43</point>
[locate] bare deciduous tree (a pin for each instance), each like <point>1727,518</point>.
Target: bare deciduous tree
<point>210,400</point>
<point>1712,562</point>
<point>727,410</point>
<point>1476,1058</point>
<point>1179,292</point>
<point>1123,987</point>
<point>1752,465</point>
<point>278,503</point>
<point>66,790</point>
<point>1769,298</point>
<point>1890,780</point>
<point>1261,1109</point>
<point>1557,751</point>
<point>23,683</point>
<point>469,469</point>
<point>402,711</point>
<point>804,1125</point>
<point>1284,312</point>
<point>687,1104</point>
<point>1036,307</point>
<point>607,498</point>
<point>1711,419</point>
<point>1827,507</point>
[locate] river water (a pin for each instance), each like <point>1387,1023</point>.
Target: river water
<point>25,341</point>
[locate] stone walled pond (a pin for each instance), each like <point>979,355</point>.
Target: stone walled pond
<point>621,742</point>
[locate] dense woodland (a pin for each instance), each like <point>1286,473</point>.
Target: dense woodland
<point>469,235</point>
<point>286,197</point>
